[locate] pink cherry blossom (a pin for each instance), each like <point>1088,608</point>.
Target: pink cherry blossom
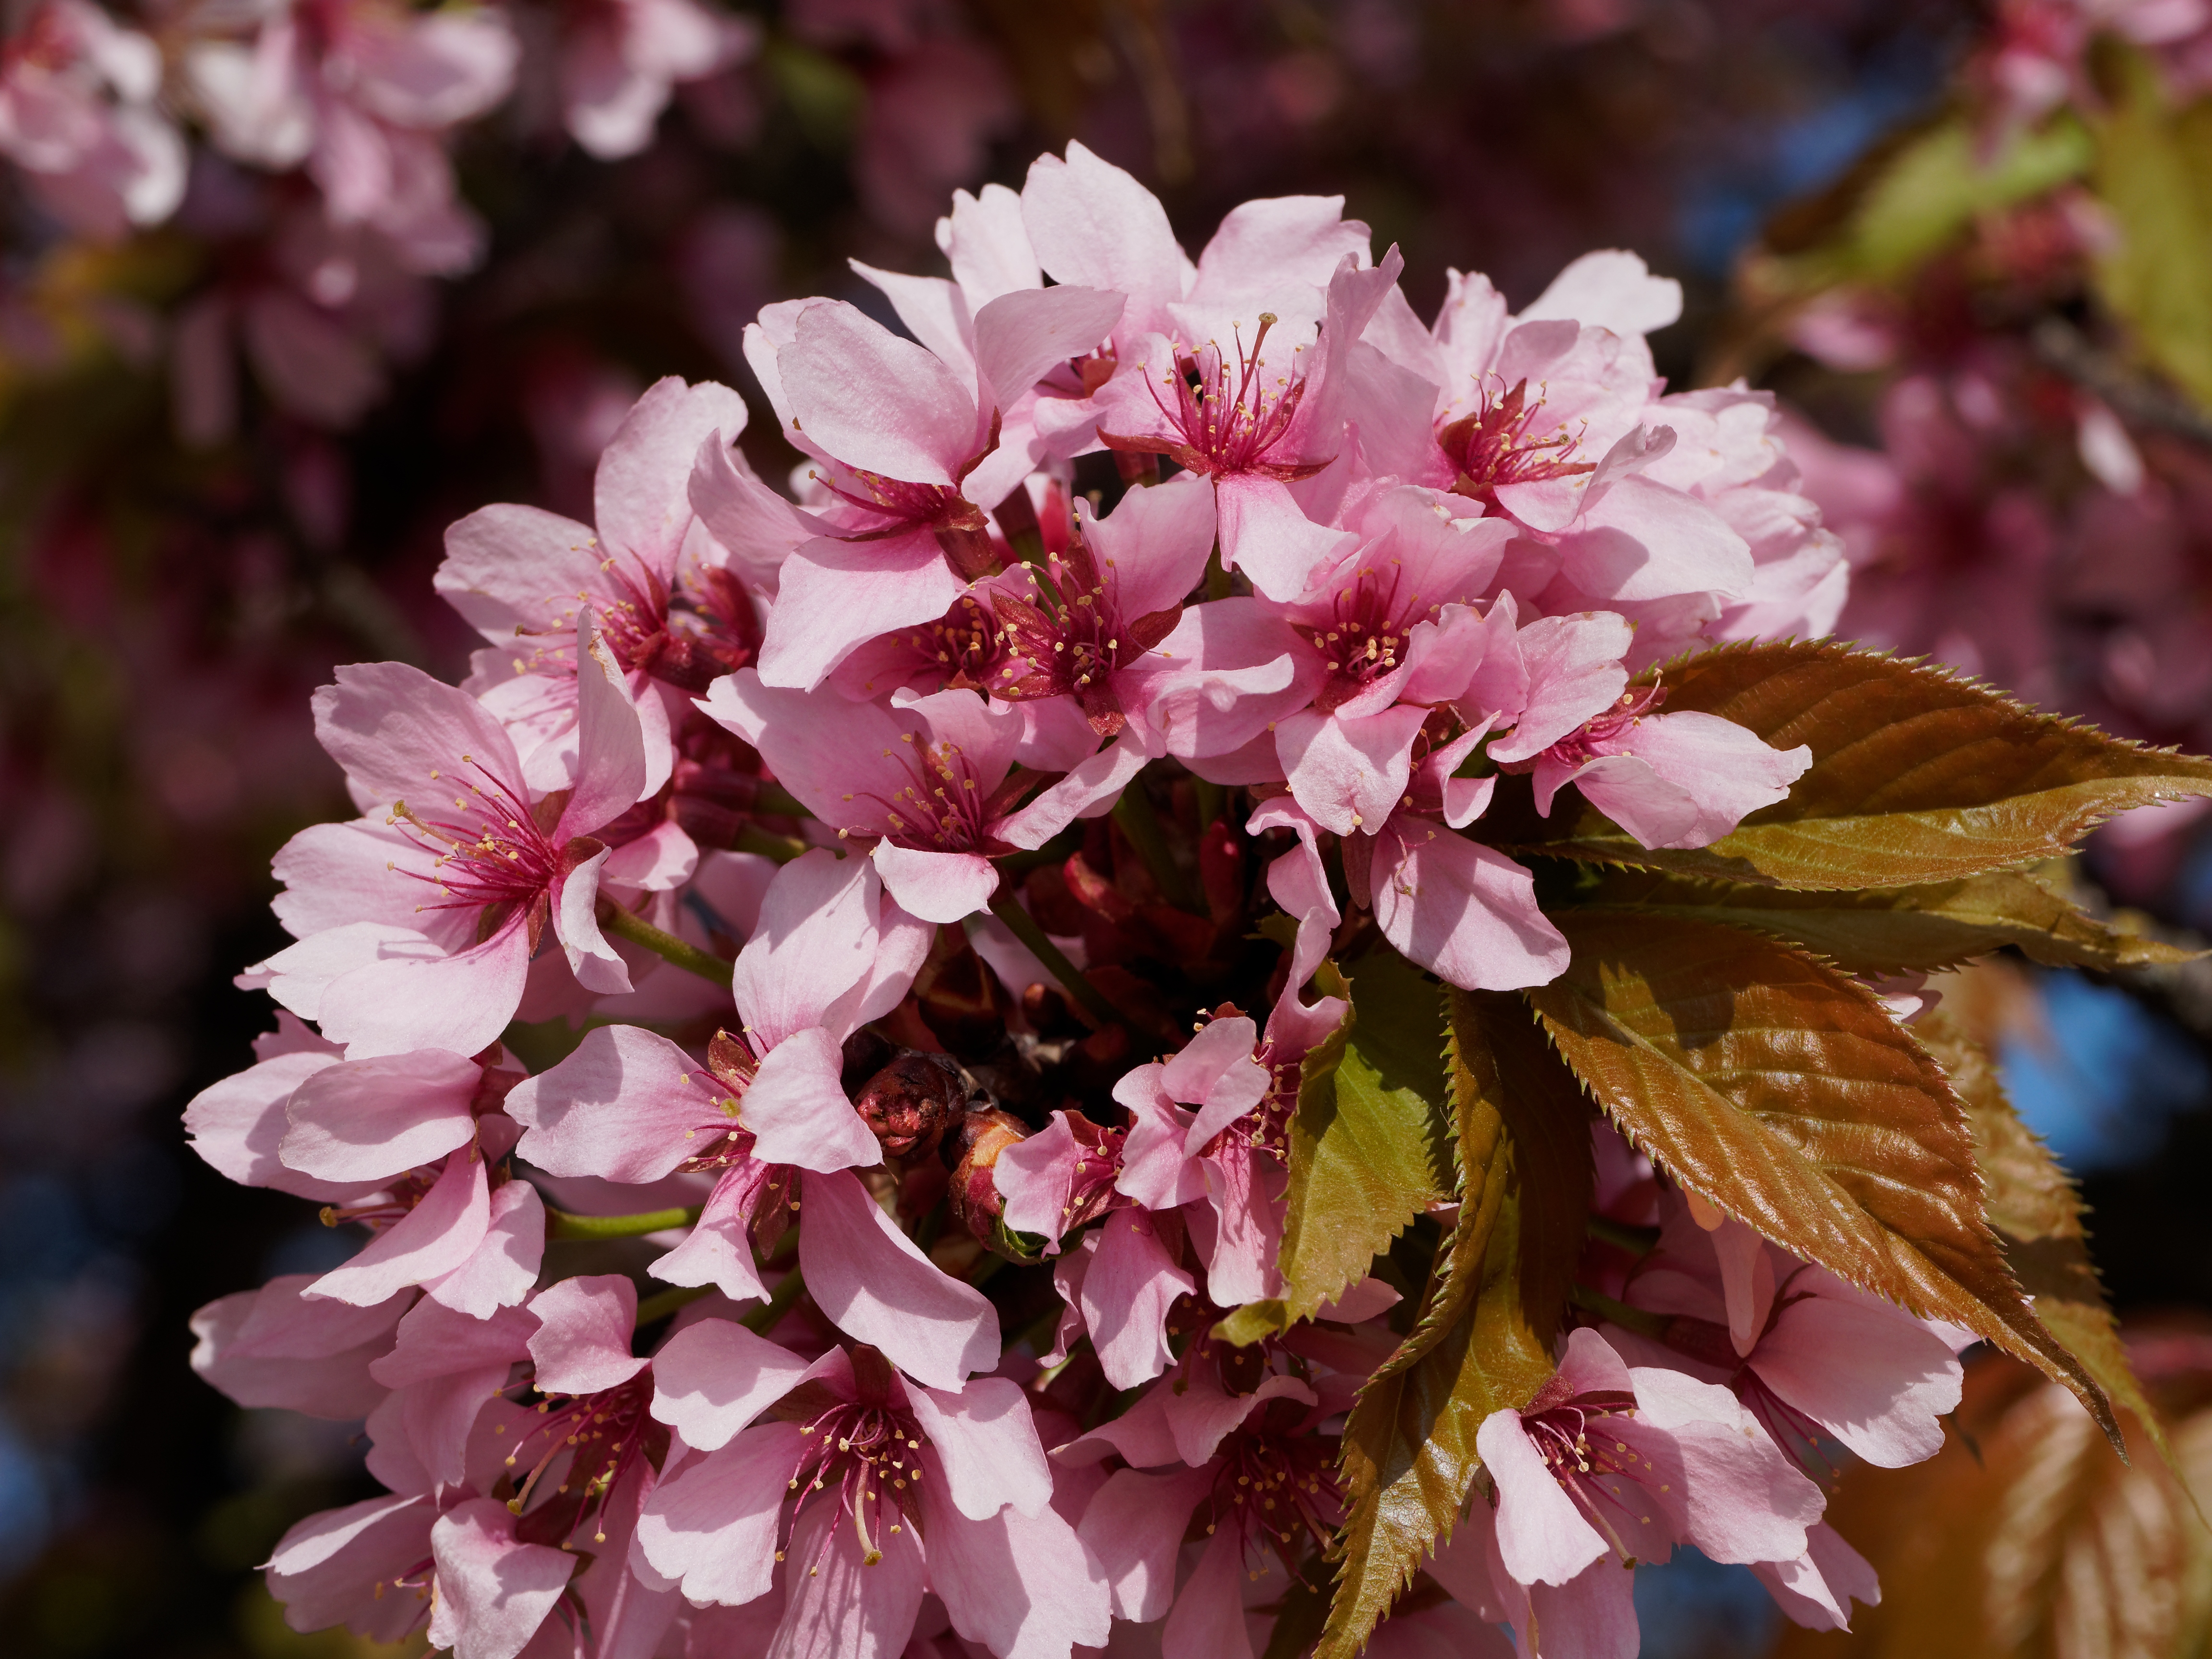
<point>621,59</point>
<point>901,1489</point>
<point>77,115</point>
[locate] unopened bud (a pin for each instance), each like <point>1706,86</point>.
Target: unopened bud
<point>973,1195</point>
<point>909,1103</point>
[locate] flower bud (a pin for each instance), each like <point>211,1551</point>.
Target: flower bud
<point>974,1196</point>
<point>910,1102</point>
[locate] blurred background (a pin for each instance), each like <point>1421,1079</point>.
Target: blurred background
<point>268,323</point>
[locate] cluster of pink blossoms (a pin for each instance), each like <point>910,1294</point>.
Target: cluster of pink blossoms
<point>865,838</point>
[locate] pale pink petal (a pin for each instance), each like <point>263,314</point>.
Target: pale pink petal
<point>1023,1585</point>
<point>1155,542</point>
<point>511,567</point>
<point>1542,1537</point>
<point>1266,535</point>
<point>501,1270</point>
<point>1020,336</point>
<point>238,1124</point>
<point>713,1524</point>
<point>1141,1436</point>
<point>988,1443</point>
<point>1571,666</point>
<point>1219,1058</point>
<point>435,1341</point>
<point>719,1251</point>
<point>1245,1194</point>
<point>1089,789</point>
<point>621,1106</point>
<point>494,1590</point>
<point>876,402</point>
<point>798,1111</point>
<point>1612,290</point>
<point>1642,540</point>
<point>711,1379</point>
<point>1156,1171</point>
<point>843,761</point>
<point>839,1607</point>
<point>1130,1286</point>
<point>326,1569</point>
<point>1818,1588</point>
<point>834,596</point>
<point>1876,1378</point>
<point>1727,770</point>
<point>939,887</point>
<point>639,495</point>
<point>1467,913</point>
<point>399,733</point>
<point>461,1003</point>
<point>1349,774</point>
<point>582,1342</point>
<point>435,1237</point>
<point>1728,1489</point>
<point>1207,1619</point>
<point>1090,222</point>
<point>368,1119</point>
<point>1134,1527</point>
<point>662,859</point>
<point>611,761</point>
<point>1034,1178</point>
<point>871,1281</point>
<point>1203,1414</point>
<point>816,937</point>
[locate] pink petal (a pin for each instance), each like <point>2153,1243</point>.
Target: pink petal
<point>1127,1291</point>
<point>988,1443</point>
<point>713,1524</point>
<point>1089,789</point>
<point>1140,1437</point>
<point>874,401</point>
<point>1023,1585</point>
<point>815,939</point>
<point>1465,912</point>
<point>459,1003</point>
<point>1611,289</point>
<point>1090,222</point>
<point>1266,535</point>
<point>1207,1619</point>
<point>1020,336</point>
<point>940,887</point>
<point>834,596</point>
<point>1876,1378</point>
<point>1135,1527</point>
<point>436,1342</point>
<point>501,1270</point>
<point>1218,1061</point>
<point>1156,1171</point>
<point>1155,542</point>
<point>374,1119</point>
<point>237,1126</point>
<point>620,1106</point>
<point>1573,670</point>
<point>639,495</point>
<point>799,1110</point>
<point>1727,771</point>
<point>611,763</point>
<point>1542,1537</point>
<point>836,1603</point>
<point>1204,1414</point>
<point>435,1237</point>
<point>1728,1489</point>
<point>268,1347</point>
<point>326,1569</point>
<point>871,1281</point>
<point>662,859</point>
<point>1034,1178</point>
<point>582,1342</point>
<point>1818,1588</point>
<point>822,750</point>
<point>391,726</point>
<point>719,1251</point>
<point>494,1591</point>
<point>512,568</point>
<point>1245,1193</point>
<point>1642,540</point>
<point>1349,774</point>
<point>711,1379</point>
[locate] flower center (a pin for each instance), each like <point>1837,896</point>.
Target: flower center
<point>1228,414</point>
<point>1589,739</point>
<point>870,1454</point>
<point>1364,636</point>
<point>1277,1489</point>
<point>491,852</point>
<point>942,809</point>
<point>608,1432</point>
<point>1503,443</point>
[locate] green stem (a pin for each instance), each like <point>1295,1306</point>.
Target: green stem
<point>623,924</point>
<point>782,848</point>
<point>661,1303</point>
<point>774,798</point>
<point>1639,1241</point>
<point>562,1224</point>
<point>1024,927</point>
<point>1134,812</point>
<point>1629,1319</point>
<point>788,1289</point>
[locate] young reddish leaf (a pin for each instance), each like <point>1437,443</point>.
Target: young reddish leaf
<point>2025,1536</point>
<point>1919,775</point>
<point>1897,930</point>
<point>1369,1142</point>
<point>1784,1092</point>
<point>2037,1213</point>
<point>1494,1301</point>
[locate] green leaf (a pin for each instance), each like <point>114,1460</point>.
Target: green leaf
<point>1897,930</point>
<point>2036,1214</point>
<point>1784,1092</point>
<point>1493,1306</point>
<point>1918,775</point>
<point>1370,1142</point>
<point>1935,187</point>
<point>2152,177</point>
